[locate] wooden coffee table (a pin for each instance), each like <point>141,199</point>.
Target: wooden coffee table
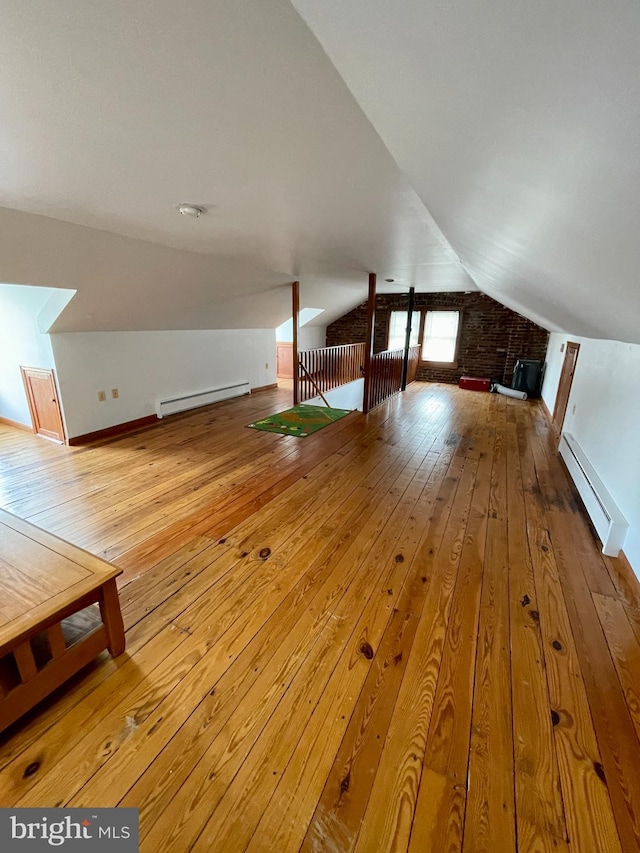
<point>43,581</point>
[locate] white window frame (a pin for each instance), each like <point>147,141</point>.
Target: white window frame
<point>449,363</point>
<point>416,327</point>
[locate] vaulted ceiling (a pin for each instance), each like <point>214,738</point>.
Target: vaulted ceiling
<point>444,145</point>
<point>112,113</point>
<point>518,124</point>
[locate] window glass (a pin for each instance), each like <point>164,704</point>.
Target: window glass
<point>398,329</point>
<point>440,336</point>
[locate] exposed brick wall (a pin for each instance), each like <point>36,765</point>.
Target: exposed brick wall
<point>491,340</point>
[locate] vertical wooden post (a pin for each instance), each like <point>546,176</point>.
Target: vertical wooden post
<point>407,340</point>
<point>295,312</point>
<point>368,349</point>
<point>112,617</point>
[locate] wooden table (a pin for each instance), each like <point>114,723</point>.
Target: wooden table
<point>43,581</point>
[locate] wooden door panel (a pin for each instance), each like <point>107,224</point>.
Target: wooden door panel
<point>42,397</point>
<point>564,385</point>
<point>284,362</point>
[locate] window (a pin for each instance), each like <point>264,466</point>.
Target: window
<point>440,337</point>
<point>436,332</point>
<point>398,329</point>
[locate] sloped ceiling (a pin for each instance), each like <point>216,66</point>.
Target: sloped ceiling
<point>518,124</point>
<point>112,113</point>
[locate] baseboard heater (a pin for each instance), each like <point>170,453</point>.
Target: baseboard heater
<point>610,524</point>
<point>172,405</point>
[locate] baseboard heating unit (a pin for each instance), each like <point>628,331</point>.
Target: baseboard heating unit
<point>610,524</point>
<point>173,405</point>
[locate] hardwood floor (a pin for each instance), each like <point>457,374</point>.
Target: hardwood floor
<point>398,634</point>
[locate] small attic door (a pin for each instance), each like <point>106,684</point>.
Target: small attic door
<point>564,386</point>
<point>44,406</point>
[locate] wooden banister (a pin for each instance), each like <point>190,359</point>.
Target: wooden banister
<point>329,367</point>
<point>325,368</point>
<point>386,374</point>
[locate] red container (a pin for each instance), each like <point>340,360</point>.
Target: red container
<point>474,383</point>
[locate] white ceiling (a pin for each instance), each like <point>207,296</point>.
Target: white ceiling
<point>514,124</point>
<point>518,124</point>
<point>111,113</point>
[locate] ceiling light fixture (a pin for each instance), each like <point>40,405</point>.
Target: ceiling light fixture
<point>191,210</point>
<point>390,280</point>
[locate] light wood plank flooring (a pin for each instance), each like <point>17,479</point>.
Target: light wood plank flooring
<point>398,634</point>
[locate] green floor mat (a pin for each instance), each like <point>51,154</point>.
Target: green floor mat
<point>300,420</point>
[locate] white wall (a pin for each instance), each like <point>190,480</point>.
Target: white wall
<point>312,337</point>
<point>309,337</point>
<point>606,420</point>
<point>349,396</point>
<point>146,366</point>
<point>21,343</point>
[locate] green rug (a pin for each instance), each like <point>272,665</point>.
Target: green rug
<point>300,420</point>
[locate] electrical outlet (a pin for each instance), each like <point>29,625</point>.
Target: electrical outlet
<point>101,396</point>
<point>114,393</point>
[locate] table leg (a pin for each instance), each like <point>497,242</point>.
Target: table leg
<point>112,617</point>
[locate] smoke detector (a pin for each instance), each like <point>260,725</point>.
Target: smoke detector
<point>192,210</point>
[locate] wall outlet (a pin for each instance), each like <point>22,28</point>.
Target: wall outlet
<point>101,396</point>
<point>114,393</point>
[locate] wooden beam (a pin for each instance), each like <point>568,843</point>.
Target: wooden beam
<point>295,313</point>
<point>368,350</point>
<point>407,339</point>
